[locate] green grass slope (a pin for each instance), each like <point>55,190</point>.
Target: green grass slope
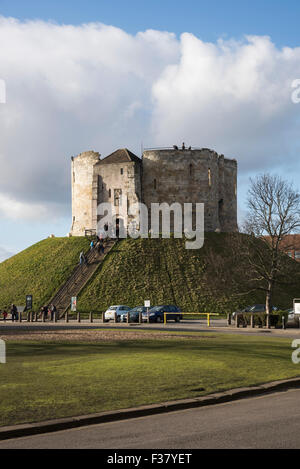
<point>160,270</point>
<point>39,270</point>
<point>163,271</point>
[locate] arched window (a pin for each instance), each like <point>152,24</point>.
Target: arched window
<point>209,177</point>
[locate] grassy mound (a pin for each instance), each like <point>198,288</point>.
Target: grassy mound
<point>160,270</point>
<point>163,271</point>
<point>39,270</point>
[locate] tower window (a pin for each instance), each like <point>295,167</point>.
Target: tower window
<point>221,206</point>
<point>209,177</point>
<point>154,184</point>
<point>109,193</point>
<point>121,171</point>
<point>73,176</point>
<point>117,197</point>
<point>191,170</point>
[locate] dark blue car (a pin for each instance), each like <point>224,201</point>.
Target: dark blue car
<point>134,314</point>
<point>156,314</point>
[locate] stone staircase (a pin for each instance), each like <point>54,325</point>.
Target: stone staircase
<point>79,278</point>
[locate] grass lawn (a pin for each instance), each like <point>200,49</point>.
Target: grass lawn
<point>46,380</point>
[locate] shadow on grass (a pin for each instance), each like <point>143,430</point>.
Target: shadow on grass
<point>253,350</point>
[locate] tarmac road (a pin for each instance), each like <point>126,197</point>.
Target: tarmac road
<point>270,421</point>
<point>217,325</point>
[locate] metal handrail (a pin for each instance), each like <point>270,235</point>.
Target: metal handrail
<point>172,148</point>
<point>79,271</point>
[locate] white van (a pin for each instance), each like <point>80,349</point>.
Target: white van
<point>119,309</point>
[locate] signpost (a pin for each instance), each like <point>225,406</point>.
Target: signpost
<point>147,304</point>
<point>29,300</point>
<point>74,303</point>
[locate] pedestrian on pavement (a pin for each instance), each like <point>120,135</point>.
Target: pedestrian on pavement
<point>44,313</point>
<point>14,313</point>
<point>53,311</point>
<point>4,315</point>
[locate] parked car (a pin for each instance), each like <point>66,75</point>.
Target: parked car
<point>134,314</point>
<point>119,309</point>
<point>156,314</point>
<point>245,310</point>
<point>253,309</point>
<point>293,319</point>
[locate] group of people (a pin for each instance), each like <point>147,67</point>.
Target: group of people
<point>48,311</point>
<point>97,244</point>
<point>13,312</point>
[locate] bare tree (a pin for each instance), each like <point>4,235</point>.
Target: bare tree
<point>274,213</point>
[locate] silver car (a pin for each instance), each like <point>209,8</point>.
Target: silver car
<point>119,309</point>
<point>293,319</point>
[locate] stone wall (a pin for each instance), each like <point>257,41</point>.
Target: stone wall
<point>194,176</point>
<point>82,188</point>
<point>183,176</point>
<point>108,178</point>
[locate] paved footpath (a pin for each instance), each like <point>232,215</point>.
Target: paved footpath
<point>270,421</point>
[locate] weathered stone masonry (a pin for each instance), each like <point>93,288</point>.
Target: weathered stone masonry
<point>162,175</point>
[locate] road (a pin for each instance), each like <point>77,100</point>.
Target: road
<point>217,326</point>
<point>270,421</point>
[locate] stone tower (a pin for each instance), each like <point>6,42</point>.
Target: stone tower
<point>162,175</point>
<point>82,172</point>
<point>194,176</point>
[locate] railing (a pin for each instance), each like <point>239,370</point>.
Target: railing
<point>208,315</point>
<point>77,316</point>
<point>90,232</point>
<point>78,273</point>
<point>172,148</point>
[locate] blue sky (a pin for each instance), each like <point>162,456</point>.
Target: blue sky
<point>48,69</point>
<point>209,20</point>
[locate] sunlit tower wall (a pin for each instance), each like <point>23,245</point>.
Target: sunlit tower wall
<point>193,176</point>
<point>82,168</point>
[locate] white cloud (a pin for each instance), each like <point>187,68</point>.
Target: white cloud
<point>16,209</point>
<point>5,254</point>
<point>74,88</point>
<point>232,96</point>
